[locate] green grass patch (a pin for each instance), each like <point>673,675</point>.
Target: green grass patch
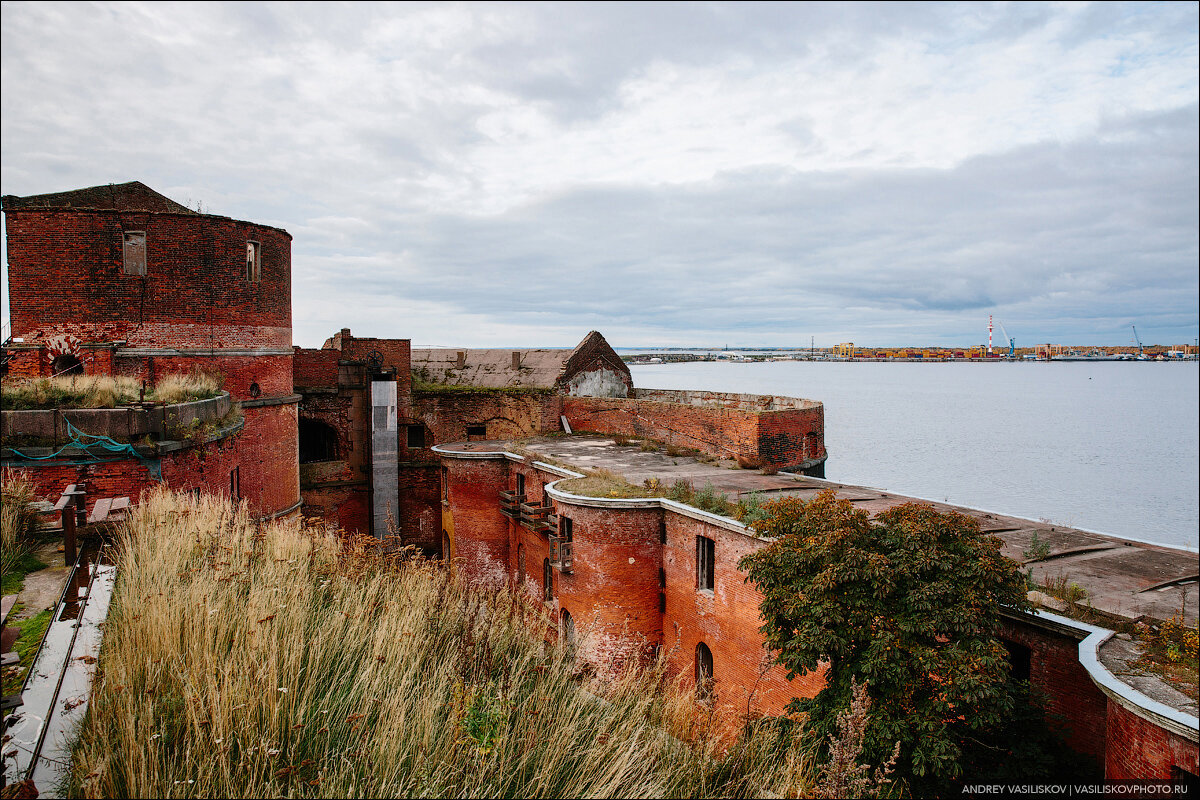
<point>14,577</point>
<point>32,631</point>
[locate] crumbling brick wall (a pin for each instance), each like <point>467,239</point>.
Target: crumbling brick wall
<point>792,438</point>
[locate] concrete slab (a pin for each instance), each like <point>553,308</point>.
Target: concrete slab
<point>1120,655</point>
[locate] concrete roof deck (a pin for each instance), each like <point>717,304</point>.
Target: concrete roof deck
<point>1123,578</point>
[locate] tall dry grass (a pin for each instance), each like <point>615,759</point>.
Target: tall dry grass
<point>103,391</point>
<point>241,661</point>
<point>18,524</point>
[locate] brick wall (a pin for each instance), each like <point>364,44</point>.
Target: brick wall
<point>505,415</point>
<point>480,532</point>
<point>206,467</point>
<point>612,591</point>
<point>66,276</point>
<point>419,514</point>
<point>726,619</point>
<point>1138,748</point>
<point>770,439</point>
<point>1072,696</point>
<point>272,373</point>
<point>315,369</point>
<point>270,457</point>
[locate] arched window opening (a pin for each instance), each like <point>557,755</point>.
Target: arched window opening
<point>704,672</point>
<point>66,364</point>
<point>445,546</point>
<point>318,441</point>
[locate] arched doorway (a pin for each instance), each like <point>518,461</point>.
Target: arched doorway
<point>66,364</point>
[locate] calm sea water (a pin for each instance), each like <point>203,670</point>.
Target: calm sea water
<point>1107,446</point>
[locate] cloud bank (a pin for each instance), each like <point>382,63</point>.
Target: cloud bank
<point>518,174</point>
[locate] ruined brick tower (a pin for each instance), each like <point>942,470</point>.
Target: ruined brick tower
<point>121,280</point>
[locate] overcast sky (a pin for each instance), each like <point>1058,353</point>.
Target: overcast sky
<point>516,175</point>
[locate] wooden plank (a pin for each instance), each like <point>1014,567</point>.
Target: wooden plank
<point>100,510</point>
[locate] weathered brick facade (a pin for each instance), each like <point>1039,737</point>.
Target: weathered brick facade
<point>634,586</point>
<point>743,427</point>
<point>191,298</point>
<point>1139,748</point>
<point>1054,661</point>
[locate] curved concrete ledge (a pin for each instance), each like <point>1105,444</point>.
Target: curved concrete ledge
<point>1118,691</point>
<point>126,422</point>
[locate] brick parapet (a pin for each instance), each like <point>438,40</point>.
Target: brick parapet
<point>789,438</point>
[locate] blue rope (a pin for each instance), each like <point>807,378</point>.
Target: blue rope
<point>78,442</point>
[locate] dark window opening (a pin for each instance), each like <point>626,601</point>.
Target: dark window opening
<point>1019,660</point>
<point>416,437</point>
<point>1184,783</point>
<point>445,546</point>
<point>318,441</point>
<point>476,432</point>
<point>235,483</point>
<point>568,630</point>
<point>66,364</point>
<point>445,485</point>
<point>705,553</point>
<point>135,252</point>
<point>566,542</point>
<point>520,486</point>
<point>704,672</point>
<point>548,580</point>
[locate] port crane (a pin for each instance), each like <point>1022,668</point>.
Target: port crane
<point>1012,343</point>
<point>1138,342</point>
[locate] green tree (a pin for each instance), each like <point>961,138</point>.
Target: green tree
<point>909,604</point>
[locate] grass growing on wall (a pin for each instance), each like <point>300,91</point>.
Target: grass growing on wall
<point>247,661</point>
<point>103,391</point>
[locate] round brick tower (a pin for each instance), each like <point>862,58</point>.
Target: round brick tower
<point>121,280</point>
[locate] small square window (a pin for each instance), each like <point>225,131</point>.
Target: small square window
<point>253,262</point>
<point>705,553</point>
<point>476,432</point>
<point>135,252</point>
<point>416,436</point>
